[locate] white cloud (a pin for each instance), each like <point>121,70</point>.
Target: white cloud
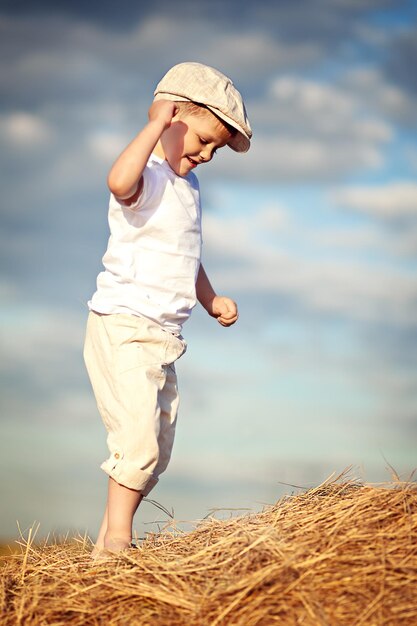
<point>8,291</point>
<point>405,244</point>
<point>366,239</point>
<point>291,158</point>
<point>33,336</point>
<point>349,288</point>
<point>273,218</point>
<point>390,201</point>
<point>309,130</point>
<point>304,129</point>
<point>411,156</point>
<point>373,91</point>
<point>311,97</point>
<point>319,109</point>
<point>351,240</point>
<point>253,52</point>
<point>25,130</point>
<point>105,145</point>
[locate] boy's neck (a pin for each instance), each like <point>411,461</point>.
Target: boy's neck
<point>159,151</point>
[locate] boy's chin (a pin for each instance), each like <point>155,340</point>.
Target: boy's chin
<point>183,168</point>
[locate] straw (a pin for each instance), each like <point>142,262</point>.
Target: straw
<point>343,553</point>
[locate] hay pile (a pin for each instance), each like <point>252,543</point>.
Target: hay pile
<point>339,554</point>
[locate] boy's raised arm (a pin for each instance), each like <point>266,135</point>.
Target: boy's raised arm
<point>125,176</point>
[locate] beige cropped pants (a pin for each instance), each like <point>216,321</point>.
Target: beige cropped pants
<point>130,362</point>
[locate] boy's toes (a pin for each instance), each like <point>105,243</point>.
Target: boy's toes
<point>113,548</point>
<point>101,554</point>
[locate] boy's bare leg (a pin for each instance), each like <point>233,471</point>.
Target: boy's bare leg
<point>122,503</point>
<point>99,545</point>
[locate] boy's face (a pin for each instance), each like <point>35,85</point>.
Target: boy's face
<point>192,140</point>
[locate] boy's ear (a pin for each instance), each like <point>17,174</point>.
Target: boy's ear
<point>177,110</point>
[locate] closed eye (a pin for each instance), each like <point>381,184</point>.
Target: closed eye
<point>203,141</point>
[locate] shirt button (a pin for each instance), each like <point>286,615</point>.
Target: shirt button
<point>117,455</point>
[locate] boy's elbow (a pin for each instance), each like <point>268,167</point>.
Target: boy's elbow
<point>120,189</point>
<point>114,184</point>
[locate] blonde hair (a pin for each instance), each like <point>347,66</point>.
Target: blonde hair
<point>200,110</point>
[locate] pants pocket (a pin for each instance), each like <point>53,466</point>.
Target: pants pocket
<point>175,348</point>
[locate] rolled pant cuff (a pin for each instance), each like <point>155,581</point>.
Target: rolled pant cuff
<point>132,478</point>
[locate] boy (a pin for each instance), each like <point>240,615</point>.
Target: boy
<point>152,280</point>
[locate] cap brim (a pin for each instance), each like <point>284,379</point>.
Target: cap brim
<point>240,142</point>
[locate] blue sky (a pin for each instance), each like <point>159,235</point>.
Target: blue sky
<point>313,232</point>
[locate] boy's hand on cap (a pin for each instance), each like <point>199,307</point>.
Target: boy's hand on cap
<point>224,310</point>
<point>162,111</point>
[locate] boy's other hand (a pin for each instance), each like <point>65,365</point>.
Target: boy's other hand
<point>162,111</point>
<point>224,310</point>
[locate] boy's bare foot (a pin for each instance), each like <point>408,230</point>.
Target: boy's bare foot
<point>101,555</point>
<point>96,551</point>
<point>116,544</point>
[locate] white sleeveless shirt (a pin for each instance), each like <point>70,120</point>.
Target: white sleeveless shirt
<point>153,254</point>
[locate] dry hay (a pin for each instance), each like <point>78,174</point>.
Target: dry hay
<point>340,554</point>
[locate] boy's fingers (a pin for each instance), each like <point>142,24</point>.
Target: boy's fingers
<point>227,323</point>
<point>226,313</point>
<point>231,315</point>
<point>227,319</point>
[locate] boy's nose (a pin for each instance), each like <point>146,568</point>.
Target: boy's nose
<point>206,154</point>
